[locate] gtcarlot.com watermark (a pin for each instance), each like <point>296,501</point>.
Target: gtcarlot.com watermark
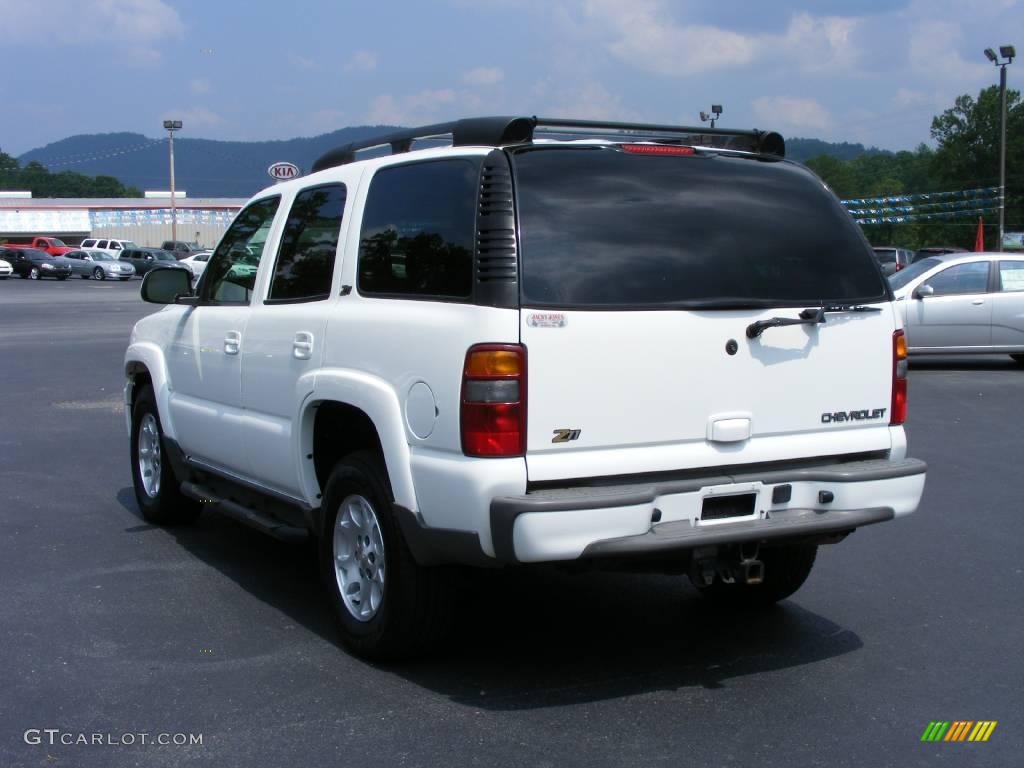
<point>54,736</point>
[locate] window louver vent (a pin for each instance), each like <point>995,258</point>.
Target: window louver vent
<point>496,235</point>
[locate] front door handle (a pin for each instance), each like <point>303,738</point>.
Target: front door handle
<point>302,345</point>
<point>978,302</point>
<point>232,342</point>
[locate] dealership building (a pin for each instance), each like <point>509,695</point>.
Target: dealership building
<point>146,220</point>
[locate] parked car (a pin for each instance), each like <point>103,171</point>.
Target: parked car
<point>144,259</point>
<point>197,262</point>
<point>99,265</point>
<point>5,270</point>
<point>970,303</point>
<point>937,250</point>
<point>892,259</point>
<point>407,361</point>
<point>111,247</point>
<point>51,245</point>
<point>182,248</point>
<point>34,265</point>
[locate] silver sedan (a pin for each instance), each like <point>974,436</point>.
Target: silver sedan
<point>98,265</point>
<point>963,303</point>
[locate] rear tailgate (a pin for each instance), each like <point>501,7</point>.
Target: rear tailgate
<point>615,393</point>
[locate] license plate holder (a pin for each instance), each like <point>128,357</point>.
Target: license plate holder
<point>727,506</point>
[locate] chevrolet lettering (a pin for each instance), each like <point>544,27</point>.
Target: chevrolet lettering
<point>839,416</point>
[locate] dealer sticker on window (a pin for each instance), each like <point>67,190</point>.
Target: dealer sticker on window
<point>546,320</point>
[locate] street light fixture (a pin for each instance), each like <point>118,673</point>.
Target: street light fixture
<point>716,113</point>
<point>1007,52</point>
<point>171,126</point>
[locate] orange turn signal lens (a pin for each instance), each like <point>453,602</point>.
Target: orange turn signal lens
<point>493,362</point>
<point>900,345</point>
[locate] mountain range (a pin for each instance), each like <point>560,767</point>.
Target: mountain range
<point>208,168</point>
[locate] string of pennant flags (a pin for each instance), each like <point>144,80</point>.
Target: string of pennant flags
<point>927,206</point>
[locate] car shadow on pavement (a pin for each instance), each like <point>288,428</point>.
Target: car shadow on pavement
<point>532,637</point>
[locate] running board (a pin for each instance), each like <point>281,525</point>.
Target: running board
<point>246,515</point>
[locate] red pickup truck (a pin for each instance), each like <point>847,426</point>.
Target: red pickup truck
<point>50,245</point>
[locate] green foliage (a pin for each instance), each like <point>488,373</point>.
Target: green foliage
<point>38,180</point>
<point>966,157</point>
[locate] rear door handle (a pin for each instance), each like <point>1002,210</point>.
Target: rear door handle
<point>302,345</point>
<point>232,342</point>
<point>978,302</point>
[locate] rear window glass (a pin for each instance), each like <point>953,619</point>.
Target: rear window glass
<point>886,257</point>
<point>602,228</point>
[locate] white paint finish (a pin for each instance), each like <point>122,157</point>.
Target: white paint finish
<point>420,410</point>
<point>455,491</point>
<point>729,429</point>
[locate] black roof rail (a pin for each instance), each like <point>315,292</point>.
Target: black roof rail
<point>499,131</point>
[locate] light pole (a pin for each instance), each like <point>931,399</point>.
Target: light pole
<point>171,126</point>
<point>716,112</point>
<point>1007,52</point>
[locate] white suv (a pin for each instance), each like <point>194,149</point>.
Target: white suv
<point>550,341</point>
<point>111,247</point>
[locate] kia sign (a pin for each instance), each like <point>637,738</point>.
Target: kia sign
<point>283,171</point>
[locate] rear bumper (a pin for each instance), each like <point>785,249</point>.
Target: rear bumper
<point>570,523</point>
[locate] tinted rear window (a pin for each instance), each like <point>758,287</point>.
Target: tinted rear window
<point>602,228</point>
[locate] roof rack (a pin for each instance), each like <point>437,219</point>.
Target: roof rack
<point>500,131</point>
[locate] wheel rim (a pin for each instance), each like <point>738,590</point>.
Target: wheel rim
<point>97,274</point>
<point>34,273</point>
<point>149,455</point>
<point>359,565</point>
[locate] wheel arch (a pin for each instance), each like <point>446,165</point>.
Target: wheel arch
<point>144,364</point>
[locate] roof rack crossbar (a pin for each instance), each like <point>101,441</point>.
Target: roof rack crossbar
<point>500,131</point>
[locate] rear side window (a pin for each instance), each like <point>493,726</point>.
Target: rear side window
<point>305,260</point>
<point>418,231</point>
<point>603,228</point>
<point>1011,275</point>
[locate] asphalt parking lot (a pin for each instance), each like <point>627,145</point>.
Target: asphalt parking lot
<point>110,625</point>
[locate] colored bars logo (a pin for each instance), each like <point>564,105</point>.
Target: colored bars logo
<point>959,730</point>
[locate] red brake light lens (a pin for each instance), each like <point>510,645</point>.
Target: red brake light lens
<point>658,149</point>
<point>493,402</point>
<point>898,406</point>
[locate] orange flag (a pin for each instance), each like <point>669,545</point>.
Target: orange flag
<point>979,239</point>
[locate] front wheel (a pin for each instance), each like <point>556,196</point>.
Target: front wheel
<point>387,606</point>
<point>98,274</point>
<point>156,489</point>
<point>786,568</point>
<point>33,274</point>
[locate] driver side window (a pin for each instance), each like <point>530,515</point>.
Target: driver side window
<point>961,279</point>
<point>231,273</point>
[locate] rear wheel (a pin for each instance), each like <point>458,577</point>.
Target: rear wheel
<point>387,606</point>
<point>1018,358</point>
<point>156,489</point>
<point>98,274</point>
<point>33,274</point>
<point>786,568</point>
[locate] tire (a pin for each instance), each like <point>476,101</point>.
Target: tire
<point>98,274</point>
<point>1019,359</point>
<point>410,606</point>
<point>156,491</point>
<point>33,274</point>
<point>786,568</point>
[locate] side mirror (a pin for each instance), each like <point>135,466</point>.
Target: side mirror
<point>164,285</point>
<point>923,291</point>
<point>87,257</point>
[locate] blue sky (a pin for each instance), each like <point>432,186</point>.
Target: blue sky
<point>874,71</point>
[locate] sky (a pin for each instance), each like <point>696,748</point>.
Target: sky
<point>873,72</point>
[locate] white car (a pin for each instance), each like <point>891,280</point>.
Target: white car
<point>963,303</point>
<point>109,246</point>
<point>197,263</point>
<point>657,351</point>
<point>5,270</point>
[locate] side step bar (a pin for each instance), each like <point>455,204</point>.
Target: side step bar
<point>251,517</point>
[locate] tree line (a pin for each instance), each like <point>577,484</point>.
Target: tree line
<point>966,156</point>
<point>37,179</point>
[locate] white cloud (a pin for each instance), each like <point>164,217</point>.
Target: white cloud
<point>789,112</point>
<point>301,62</point>
<point>362,61</point>
<point>200,85</point>
<point>421,107</point>
<point>934,53</point>
<point>483,76</point>
<point>587,101</point>
<point>71,21</point>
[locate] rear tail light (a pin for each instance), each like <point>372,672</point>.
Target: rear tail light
<point>898,408</point>
<point>493,403</point>
<point>658,149</point>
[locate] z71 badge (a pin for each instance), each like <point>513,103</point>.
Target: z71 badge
<point>565,435</point>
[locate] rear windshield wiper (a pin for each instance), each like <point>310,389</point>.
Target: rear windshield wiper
<point>810,316</point>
